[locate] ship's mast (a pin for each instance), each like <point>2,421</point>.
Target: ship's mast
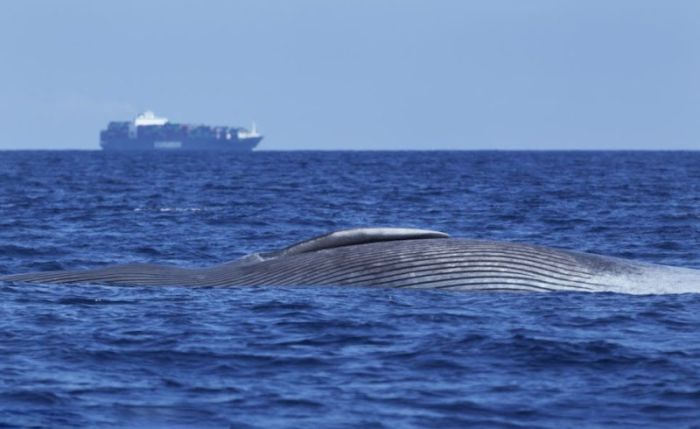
<point>243,134</point>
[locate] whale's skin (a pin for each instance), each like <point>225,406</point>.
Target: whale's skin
<point>421,261</point>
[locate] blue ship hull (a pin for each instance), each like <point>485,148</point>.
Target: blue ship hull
<point>188,144</point>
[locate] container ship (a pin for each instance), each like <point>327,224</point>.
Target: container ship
<point>150,132</point>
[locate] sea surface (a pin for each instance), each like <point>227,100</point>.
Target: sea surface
<point>270,357</point>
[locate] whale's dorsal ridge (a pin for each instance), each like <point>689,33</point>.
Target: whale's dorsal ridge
<point>349,237</point>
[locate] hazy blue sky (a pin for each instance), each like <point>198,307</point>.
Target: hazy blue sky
<point>358,74</point>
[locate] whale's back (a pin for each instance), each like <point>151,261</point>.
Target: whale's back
<point>432,263</point>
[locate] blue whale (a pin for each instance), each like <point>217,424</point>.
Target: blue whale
<point>404,258</point>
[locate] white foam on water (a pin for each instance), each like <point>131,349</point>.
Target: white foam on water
<point>652,280</point>
<point>169,209</point>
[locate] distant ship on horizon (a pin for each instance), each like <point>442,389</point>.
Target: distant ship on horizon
<point>149,132</point>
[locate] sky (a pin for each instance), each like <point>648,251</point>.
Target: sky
<point>358,74</point>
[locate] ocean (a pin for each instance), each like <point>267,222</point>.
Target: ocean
<point>271,357</point>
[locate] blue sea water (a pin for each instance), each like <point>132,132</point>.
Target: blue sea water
<point>105,356</point>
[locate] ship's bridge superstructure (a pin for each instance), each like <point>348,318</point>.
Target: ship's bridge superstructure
<point>149,118</point>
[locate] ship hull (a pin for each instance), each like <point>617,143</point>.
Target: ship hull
<point>189,144</point>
